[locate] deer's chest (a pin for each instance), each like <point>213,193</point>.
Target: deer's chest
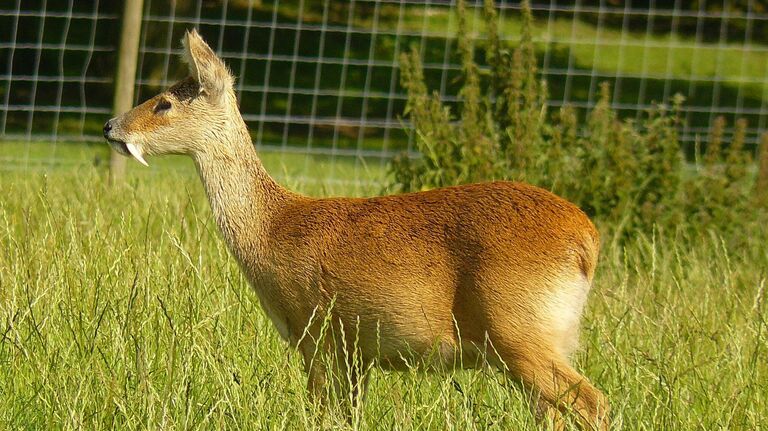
<point>276,315</point>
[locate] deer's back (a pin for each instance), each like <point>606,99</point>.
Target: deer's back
<point>516,222</point>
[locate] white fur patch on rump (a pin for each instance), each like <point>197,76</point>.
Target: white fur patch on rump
<point>562,310</point>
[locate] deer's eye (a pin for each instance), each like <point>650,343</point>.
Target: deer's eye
<point>162,106</point>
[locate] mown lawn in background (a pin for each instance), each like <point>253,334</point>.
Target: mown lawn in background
<point>120,308</point>
<point>605,48</point>
<point>608,49</point>
<point>317,173</point>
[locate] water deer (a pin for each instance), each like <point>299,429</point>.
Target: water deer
<point>496,273</point>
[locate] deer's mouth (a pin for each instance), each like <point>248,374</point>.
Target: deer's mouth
<point>119,146</point>
<point>126,149</point>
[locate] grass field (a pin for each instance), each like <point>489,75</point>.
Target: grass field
<point>120,308</point>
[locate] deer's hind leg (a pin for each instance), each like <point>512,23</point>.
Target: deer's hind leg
<point>559,391</point>
<point>563,390</point>
<point>535,351</point>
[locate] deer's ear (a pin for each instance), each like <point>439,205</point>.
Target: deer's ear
<point>205,67</point>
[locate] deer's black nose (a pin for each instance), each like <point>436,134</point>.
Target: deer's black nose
<point>107,128</point>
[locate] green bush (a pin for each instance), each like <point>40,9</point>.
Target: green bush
<point>628,173</point>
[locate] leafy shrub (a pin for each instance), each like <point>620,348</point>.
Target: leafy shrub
<point>628,173</point>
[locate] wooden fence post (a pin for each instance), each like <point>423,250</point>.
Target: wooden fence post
<point>126,75</point>
<point>761,185</point>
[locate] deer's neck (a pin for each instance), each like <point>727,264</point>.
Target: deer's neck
<point>242,195</point>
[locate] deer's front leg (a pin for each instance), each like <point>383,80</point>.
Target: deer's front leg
<point>336,378</point>
<point>316,370</point>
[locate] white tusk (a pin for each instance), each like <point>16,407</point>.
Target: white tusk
<point>136,153</point>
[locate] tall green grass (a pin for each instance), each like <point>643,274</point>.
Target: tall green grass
<point>120,308</point>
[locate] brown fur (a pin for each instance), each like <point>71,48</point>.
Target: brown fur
<point>444,278</point>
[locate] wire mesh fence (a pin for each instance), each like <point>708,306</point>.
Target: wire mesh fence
<point>320,78</point>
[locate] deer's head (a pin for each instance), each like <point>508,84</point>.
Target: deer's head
<point>192,117</point>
